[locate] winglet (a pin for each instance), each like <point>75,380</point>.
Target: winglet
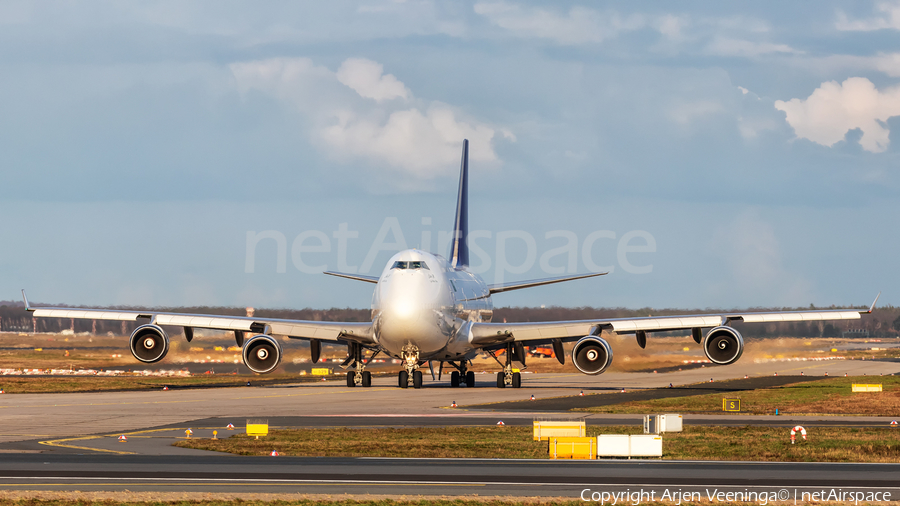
<point>872,307</point>
<point>25,298</point>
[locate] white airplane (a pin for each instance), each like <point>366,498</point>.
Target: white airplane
<point>427,308</point>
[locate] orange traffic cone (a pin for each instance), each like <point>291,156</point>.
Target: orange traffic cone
<point>166,387</point>
<point>274,453</point>
<point>532,396</point>
<point>453,405</point>
<point>500,423</point>
<point>230,426</point>
<point>581,394</point>
<point>122,438</point>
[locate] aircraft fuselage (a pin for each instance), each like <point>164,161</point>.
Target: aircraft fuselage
<point>420,300</point>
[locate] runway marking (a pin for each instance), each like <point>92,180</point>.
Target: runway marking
<point>59,442</point>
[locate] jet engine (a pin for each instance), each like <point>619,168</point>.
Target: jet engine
<point>592,355</point>
<point>262,354</point>
<point>149,343</point>
<point>723,345</point>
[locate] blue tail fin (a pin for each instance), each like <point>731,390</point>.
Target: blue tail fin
<point>459,250</point>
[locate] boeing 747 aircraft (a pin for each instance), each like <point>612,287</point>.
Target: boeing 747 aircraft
<point>427,308</point>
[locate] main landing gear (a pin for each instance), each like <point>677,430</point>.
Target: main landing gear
<point>359,377</point>
<point>506,377</point>
<point>462,374</point>
<point>410,354</point>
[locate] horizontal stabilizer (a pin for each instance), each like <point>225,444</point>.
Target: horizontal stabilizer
<point>505,287</point>
<point>358,277</point>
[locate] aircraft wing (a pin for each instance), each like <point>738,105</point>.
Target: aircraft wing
<point>360,332</point>
<point>506,287</point>
<point>487,334</point>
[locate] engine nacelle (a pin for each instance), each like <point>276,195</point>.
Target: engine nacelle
<point>149,343</point>
<point>592,355</point>
<point>262,353</point>
<point>723,345</point>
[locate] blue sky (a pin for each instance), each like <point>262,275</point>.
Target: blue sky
<point>710,154</point>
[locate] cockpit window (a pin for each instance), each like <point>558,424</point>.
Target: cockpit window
<point>409,265</point>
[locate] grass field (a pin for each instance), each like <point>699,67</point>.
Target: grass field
<point>827,396</point>
<point>301,502</point>
<point>695,443</point>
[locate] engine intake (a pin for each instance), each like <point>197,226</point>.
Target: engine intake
<point>723,345</point>
<point>592,355</point>
<point>262,354</point>
<point>149,343</point>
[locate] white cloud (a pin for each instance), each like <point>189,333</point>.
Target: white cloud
<point>424,145</point>
<point>887,17</point>
<point>580,25</point>
<point>833,109</point>
<point>724,46</point>
<point>418,139</point>
<point>367,78</point>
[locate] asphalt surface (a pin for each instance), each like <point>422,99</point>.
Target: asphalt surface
<point>77,435</point>
<point>431,476</point>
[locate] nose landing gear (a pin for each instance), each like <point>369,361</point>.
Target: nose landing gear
<point>410,353</point>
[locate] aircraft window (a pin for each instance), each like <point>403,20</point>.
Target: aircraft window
<point>418,265</point>
<point>399,265</point>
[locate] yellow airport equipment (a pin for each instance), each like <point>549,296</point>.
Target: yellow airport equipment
<point>548,429</point>
<point>573,448</point>
<point>321,371</point>
<point>731,404</point>
<point>257,428</point>
<point>861,387</point>
<point>215,434</point>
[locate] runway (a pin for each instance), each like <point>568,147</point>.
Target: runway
<point>26,417</point>
<point>430,476</point>
<point>76,435</point>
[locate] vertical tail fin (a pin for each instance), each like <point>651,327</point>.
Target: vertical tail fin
<point>459,250</point>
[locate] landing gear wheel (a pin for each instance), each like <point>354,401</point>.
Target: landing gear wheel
<point>501,380</point>
<point>470,379</point>
<point>367,379</point>
<point>404,379</point>
<point>351,376</point>
<point>417,379</point>
<point>454,379</point>
<point>517,380</point>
